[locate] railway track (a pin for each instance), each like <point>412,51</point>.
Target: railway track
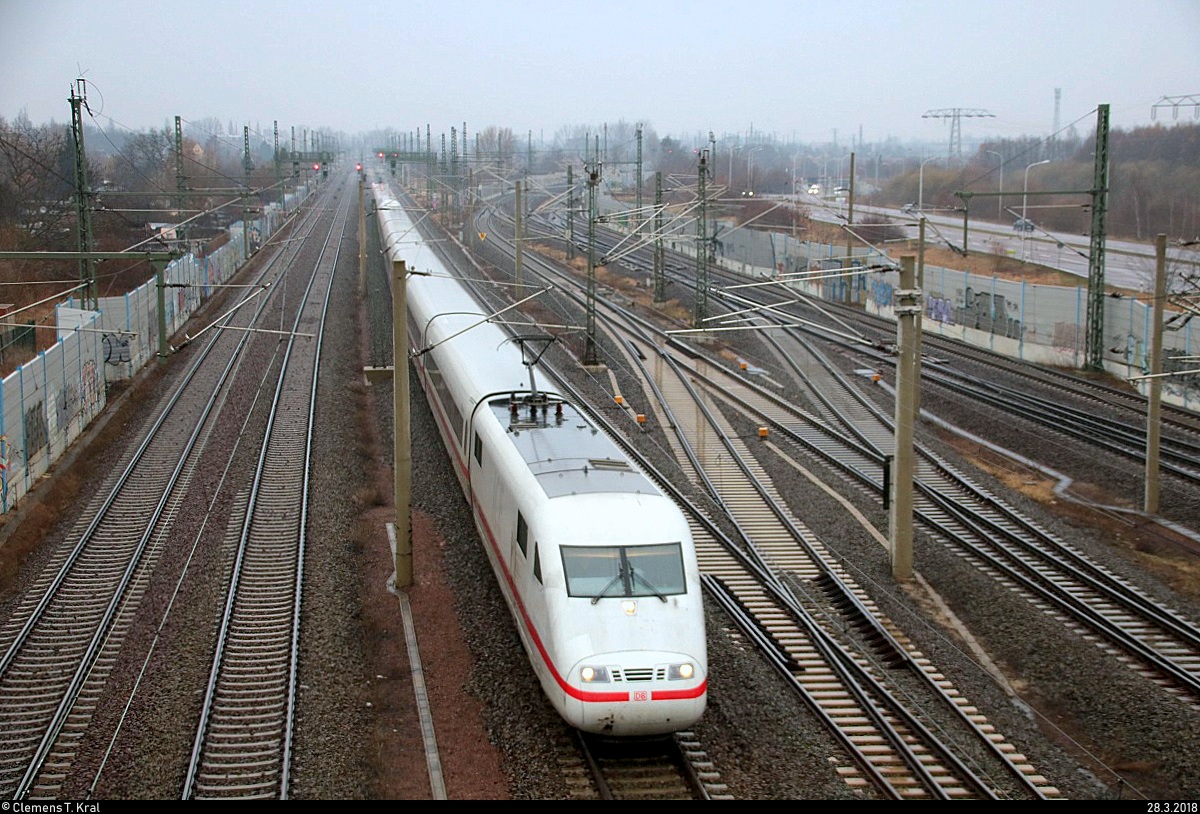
<point>1157,641</point>
<point>1179,455</point>
<point>1097,393</point>
<point>673,768</point>
<point>1108,418</point>
<point>67,634</point>
<point>243,743</point>
<point>794,595</point>
<point>853,435</point>
<point>892,750</point>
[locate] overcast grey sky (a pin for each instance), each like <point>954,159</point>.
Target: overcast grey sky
<point>801,68</point>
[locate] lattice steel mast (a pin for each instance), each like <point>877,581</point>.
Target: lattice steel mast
<point>1095,309</point>
<point>83,196</point>
<point>700,310</point>
<point>955,115</point>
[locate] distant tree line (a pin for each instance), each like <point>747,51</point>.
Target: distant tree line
<point>1154,182</point>
<point>134,184</point>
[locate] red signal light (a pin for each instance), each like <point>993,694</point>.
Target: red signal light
<point>358,167</point>
<point>316,166</point>
<point>381,155</point>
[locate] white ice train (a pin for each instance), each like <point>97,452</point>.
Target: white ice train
<point>596,564</point>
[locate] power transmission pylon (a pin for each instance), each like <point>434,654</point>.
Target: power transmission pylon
<point>279,170</point>
<point>443,172</point>
<point>700,309</point>
<point>1175,102</point>
<point>660,281</point>
<point>455,203</point>
<point>518,236</point>
<point>295,159</point>
<point>181,181</point>
<point>570,214</point>
<point>83,196</point>
<point>247,168</point>
<point>1094,355</point>
<point>955,115</point>
<point>590,355</point>
<point>637,219</point>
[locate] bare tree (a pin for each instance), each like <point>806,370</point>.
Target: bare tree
<point>35,181</point>
<point>498,145</point>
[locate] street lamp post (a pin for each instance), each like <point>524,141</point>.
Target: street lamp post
<point>1025,192</point>
<point>1024,201</point>
<point>1000,200</point>
<point>921,182</point>
<point>750,168</point>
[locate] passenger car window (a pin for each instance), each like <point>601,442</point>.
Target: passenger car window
<point>522,534</point>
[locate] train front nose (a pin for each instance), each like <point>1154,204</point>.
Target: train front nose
<point>636,693</point>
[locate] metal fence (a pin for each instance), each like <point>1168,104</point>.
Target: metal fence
<point>46,403</point>
<point>1042,324</point>
<point>1047,325</point>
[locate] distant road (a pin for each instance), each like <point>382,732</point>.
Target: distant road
<point>1127,265</point>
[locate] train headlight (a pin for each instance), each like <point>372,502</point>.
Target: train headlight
<point>681,672</point>
<point>593,675</point>
<point>629,606</point>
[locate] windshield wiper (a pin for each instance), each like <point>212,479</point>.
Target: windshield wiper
<point>636,576</point>
<point>603,591</point>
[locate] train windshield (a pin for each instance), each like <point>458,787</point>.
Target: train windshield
<point>619,571</point>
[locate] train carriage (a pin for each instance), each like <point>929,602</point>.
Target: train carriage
<point>595,563</point>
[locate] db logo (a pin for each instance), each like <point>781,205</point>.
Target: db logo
<point>641,695</point>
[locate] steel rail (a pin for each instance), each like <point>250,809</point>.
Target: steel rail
<point>207,709</point>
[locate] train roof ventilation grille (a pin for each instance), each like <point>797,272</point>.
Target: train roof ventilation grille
<point>609,464</point>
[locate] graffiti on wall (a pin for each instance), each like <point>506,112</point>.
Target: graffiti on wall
<point>89,387</point>
<point>37,432</point>
<point>994,314</point>
<point>939,309</point>
<point>881,293</point>
<point>839,287</point>
<point>116,349</point>
<point>974,309</point>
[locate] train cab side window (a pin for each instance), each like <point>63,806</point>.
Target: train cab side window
<point>537,565</point>
<point>478,449</point>
<point>522,534</point>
